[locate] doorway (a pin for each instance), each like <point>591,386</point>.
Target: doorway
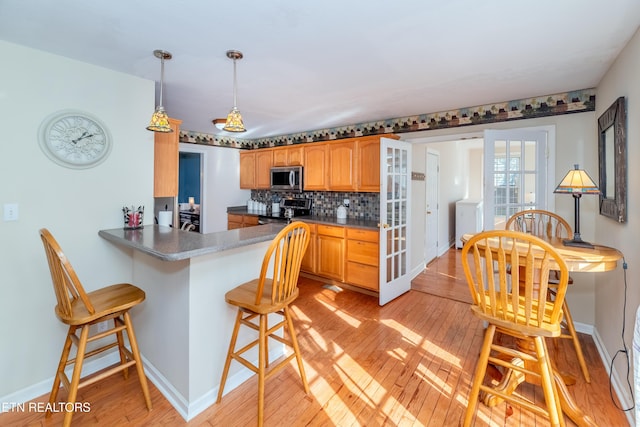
<point>190,186</point>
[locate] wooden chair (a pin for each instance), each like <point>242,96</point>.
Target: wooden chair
<point>260,297</point>
<point>515,304</point>
<point>80,310</point>
<point>544,223</point>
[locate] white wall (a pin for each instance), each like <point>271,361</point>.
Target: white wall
<point>221,186</point>
<point>72,204</point>
<point>621,80</point>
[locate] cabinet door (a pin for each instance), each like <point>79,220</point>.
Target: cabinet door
<point>315,167</point>
<point>295,156</point>
<point>280,157</point>
<point>234,221</point>
<point>330,257</point>
<point>165,161</point>
<point>342,166</point>
<point>247,170</point>
<point>369,165</point>
<point>309,259</point>
<point>264,161</point>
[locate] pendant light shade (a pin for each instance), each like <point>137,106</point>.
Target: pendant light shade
<point>234,119</point>
<point>160,121</point>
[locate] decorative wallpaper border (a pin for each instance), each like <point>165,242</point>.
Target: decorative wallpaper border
<point>548,105</point>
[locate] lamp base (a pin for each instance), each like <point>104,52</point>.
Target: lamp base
<point>577,243</point>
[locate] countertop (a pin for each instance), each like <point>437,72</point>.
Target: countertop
<point>329,220</point>
<point>171,244</point>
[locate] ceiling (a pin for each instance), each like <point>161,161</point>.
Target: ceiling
<point>316,65</point>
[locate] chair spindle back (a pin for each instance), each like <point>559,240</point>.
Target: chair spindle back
<point>285,256</point>
<point>540,223</point>
<point>508,276</point>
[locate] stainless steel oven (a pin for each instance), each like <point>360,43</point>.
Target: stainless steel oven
<point>286,178</point>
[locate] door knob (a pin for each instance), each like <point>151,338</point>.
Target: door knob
<point>428,212</point>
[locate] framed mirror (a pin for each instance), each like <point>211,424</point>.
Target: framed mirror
<point>612,156</point>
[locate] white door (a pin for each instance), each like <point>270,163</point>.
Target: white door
<point>432,213</point>
<point>517,173</point>
<point>395,221</point>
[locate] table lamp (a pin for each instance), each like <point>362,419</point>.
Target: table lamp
<point>577,182</point>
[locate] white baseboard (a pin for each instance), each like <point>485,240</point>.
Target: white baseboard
<point>626,400</point>
<point>44,387</point>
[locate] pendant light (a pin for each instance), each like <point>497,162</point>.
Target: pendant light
<point>160,120</point>
<point>234,119</point>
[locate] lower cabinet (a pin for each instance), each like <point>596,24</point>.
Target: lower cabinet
<point>330,245</point>
<point>344,254</point>
<point>241,221</point>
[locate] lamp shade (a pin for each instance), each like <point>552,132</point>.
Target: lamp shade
<point>577,181</point>
<point>159,121</point>
<point>234,121</point>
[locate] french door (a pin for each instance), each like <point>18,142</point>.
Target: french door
<point>395,218</point>
<point>517,173</point>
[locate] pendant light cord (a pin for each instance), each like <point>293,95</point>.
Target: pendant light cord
<point>161,77</point>
<point>235,85</point>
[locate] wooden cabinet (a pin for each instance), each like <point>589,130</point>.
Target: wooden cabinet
<point>255,169</point>
<point>240,221</point>
<point>315,167</point>
<point>247,169</point>
<point>165,161</point>
<point>288,156</point>
<point>309,259</point>
<point>264,161</point>
<point>344,255</point>
<point>362,258</point>
<point>330,257</point>
<point>368,174</point>
<point>342,165</point>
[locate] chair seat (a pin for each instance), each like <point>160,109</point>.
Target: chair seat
<point>244,296</point>
<point>106,301</point>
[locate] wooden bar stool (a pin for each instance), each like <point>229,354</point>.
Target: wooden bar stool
<point>540,223</point>
<point>80,310</point>
<point>260,297</point>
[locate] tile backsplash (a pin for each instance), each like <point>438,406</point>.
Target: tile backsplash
<point>364,206</point>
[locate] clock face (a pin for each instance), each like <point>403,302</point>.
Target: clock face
<point>74,139</point>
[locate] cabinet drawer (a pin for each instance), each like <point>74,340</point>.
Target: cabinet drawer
<point>328,230</point>
<point>234,218</point>
<point>362,275</point>
<point>361,234</point>
<point>362,252</point>
<point>250,220</point>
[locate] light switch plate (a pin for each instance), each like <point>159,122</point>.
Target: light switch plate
<point>10,211</point>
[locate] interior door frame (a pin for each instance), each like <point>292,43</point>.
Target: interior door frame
<point>431,214</point>
<point>185,148</point>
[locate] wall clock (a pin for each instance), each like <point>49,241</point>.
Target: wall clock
<point>74,139</point>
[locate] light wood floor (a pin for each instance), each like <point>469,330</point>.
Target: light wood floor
<point>408,363</point>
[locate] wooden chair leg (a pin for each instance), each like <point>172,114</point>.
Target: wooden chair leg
<point>296,348</point>
<point>227,362</point>
<point>556,419</point>
<point>576,341</point>
<point>478,376</point>
<point>123,356</point>
<point>66,349</point>
<point>261,367</point>
<point>75,378</point>
<point>136,355</point>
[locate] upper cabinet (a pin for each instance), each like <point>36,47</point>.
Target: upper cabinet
<point>343,165</point>
<point>315,167</point>
<point>288,156</point>
<point>255,167</point>
<point>165,161</point>
<point>349,165</point>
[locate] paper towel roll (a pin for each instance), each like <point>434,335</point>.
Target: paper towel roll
<point>165,218</point>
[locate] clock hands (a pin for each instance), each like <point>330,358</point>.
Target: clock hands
<point>83,136</point>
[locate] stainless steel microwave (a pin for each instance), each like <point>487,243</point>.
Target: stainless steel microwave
<point>286,178</point>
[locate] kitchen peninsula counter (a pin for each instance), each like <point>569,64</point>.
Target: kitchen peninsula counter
<point>184,325</point>
<point>171,244</point>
